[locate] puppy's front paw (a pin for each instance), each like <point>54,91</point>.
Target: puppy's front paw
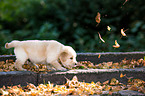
<point>62,69</point>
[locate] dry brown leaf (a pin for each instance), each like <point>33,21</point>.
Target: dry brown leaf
<point>99,56</point>
<point>114,81</point>
<point>121,75</point>
<point>98,18</point>
<point>142,89</point>
<point>133,87</point>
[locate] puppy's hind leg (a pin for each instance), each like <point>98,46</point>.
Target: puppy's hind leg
<point>19,64</point>
<point>21,58</point>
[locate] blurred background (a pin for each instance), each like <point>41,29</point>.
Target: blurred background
<point>72,22</point>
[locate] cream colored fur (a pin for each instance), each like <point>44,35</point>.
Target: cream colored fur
<point>43,52</point>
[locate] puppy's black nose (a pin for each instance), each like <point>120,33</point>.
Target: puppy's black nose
<point>75,63</point>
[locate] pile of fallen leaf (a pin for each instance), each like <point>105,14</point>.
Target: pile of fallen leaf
<point>9,66</point>
<point>73,87</point>
<point>125,64</point>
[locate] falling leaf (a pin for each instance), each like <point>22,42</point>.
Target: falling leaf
<point>122,32</point>
<point>99,56</point>
<point>121,75</point>
<point>101,37</point>
<point>116,44</point>
<point>125,1</point>
<point>109,28</point>
<point>98,18</point>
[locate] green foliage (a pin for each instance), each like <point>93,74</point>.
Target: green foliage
<point>72,22</point>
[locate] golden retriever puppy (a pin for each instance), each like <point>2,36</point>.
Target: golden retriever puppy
<point>49,52</point>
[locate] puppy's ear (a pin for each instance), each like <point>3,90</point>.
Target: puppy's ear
<point>63,56</point>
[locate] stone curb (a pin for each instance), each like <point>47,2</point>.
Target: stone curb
<point>109,56</point>
<point>5,57</point>
<point>24,77</point>
<point>17,77</point>
<point>92,75</point>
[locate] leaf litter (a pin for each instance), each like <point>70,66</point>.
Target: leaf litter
<point>124,64</point>
<point>74,87</point>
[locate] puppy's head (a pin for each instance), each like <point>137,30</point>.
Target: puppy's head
<point>68,57</point>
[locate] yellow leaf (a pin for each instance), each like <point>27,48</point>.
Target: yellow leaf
<point>92,83</point>
<point>122,32</point>
<point>116,44</point>
<point>108,28</point>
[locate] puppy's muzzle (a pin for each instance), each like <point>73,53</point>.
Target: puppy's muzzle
<point>75,64</point>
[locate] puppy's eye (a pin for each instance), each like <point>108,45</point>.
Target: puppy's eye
<point>71,58</point>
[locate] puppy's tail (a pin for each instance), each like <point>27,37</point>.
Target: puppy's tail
<point>12,44</point>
